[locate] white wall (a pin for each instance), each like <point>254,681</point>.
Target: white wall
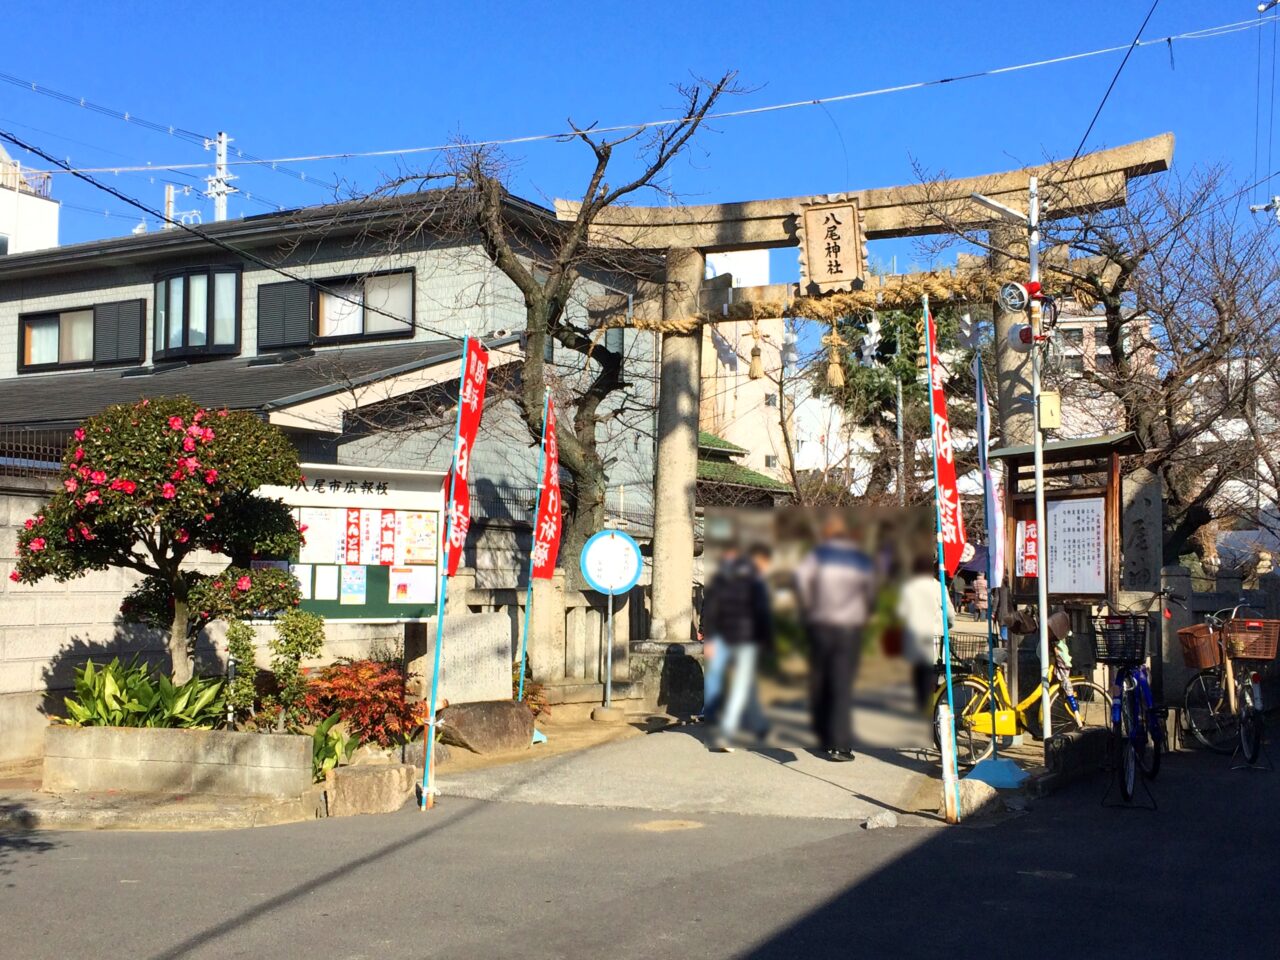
<point>30,222</point>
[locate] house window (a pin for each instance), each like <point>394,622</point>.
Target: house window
<point>371,307</point>
<point>1073,363</point>
<point>770,462</point>
<point>770,399</point>
<point>101,334</point>
<point>198,313</point>
<point>1072,336</point>
<point>4,244</point>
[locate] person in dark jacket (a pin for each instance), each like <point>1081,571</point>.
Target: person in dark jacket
<point>715,652</point>
<point>737,613</point>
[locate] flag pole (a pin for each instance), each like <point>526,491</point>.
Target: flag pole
<point>428,746</point>
<point>950,732</point>
<point>537,510</point>
<point>984,429</point>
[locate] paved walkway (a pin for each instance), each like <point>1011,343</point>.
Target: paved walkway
<point>672,771</point>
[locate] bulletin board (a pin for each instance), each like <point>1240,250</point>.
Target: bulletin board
<point>372,542</point>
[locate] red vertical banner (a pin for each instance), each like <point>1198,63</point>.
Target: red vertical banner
<point>546,526</point>
<point>387,539</point>
<point>948,493</point>
<point>352,537</point>
<point>475,374</point>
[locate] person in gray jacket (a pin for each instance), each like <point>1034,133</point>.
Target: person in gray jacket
<point>836,584</point>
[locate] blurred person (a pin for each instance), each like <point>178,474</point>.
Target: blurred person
<point>715,653</point>
<point>920,610</point>
<point>744,625</point>
<point>981,596</point>
<point>836,585</point>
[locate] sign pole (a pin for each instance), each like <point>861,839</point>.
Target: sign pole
<point>428,746</point>
<point>983,433</point>
<point>608,658</point>
<point>951,785</point>
<point>1037,434</point>
<point>533,536</point>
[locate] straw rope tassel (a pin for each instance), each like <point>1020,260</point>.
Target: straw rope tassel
<point>835,359</point>
<point>756,370</point>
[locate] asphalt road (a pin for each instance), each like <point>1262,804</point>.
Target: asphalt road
<point>483,879</point>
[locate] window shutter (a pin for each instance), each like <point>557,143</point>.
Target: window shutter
<point>117,331</point>
<point>284,315</point>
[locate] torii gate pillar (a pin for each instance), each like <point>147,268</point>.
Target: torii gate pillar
<point>675,485</point>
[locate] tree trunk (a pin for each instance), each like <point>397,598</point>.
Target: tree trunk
<point>586,518</point>
<point>179,650</point>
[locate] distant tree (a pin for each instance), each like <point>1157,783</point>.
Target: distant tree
<point>143,486</point>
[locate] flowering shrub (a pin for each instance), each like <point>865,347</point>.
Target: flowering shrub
<point>144,485</point>
<point>369,696</point>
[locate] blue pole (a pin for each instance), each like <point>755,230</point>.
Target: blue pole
<point>428,748</point>
<point>942,563</point>
<point>537,509</point>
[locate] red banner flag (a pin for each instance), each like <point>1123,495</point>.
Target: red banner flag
<point>546,527</point>
<point>475,373</point>
<point>944,462</point>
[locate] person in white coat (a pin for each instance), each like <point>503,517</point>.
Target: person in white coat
<point>920,610</point>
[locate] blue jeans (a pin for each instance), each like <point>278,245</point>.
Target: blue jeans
<point>717,664</point>
<point>743,704</point>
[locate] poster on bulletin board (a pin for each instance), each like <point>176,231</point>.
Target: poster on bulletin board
<point>371,541</point>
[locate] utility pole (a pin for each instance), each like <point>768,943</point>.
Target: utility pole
<point>1031,220</point>
<point>220,183</point>
<point>168,207</point>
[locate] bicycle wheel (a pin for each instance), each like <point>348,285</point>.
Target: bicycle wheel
<point>1129,759</point>
<point>1250,722</point>
<point>1153,729</point>
<point>1093,707</point>
<point>971,697</point>
<point>1207,711</point>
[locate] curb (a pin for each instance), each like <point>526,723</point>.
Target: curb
<point>1069,757</point>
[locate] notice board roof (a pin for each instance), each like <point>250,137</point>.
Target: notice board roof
<point>1068,451</point>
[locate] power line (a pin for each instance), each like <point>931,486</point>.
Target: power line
<point>1207,33</point>
<point>191,136</point>
<point>1137,37</point>
<point>215,241</point>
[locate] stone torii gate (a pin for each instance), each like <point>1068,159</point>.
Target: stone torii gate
<point>687,234</point>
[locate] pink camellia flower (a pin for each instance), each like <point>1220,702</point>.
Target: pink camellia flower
<point>217,584</point>
<point>98,476</point>
<point>224,412</point>
<point>210,475</point>
<point>168,491</point>
<point>92,497</point>
<point>84,472</point>
<point>79,433</point>
<point>86,532</point>
<point>15,576</point>
<point>195,429</point>
<point>243,583</point>
<point>28,523</point>
<point>71,536</point>
<point>182,536</point>
<point>208,517</point>
<point>177,474</point>
<point>175,423</point>
<point>72,484</point>
<point>79,453</point>
<point>36,544</point>
<point>128,486</point>
<point>188,444</point>
<point>199,415</point>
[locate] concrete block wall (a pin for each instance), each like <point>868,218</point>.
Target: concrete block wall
<point>49,629</point>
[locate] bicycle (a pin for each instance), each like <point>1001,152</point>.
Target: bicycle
<point>1138,725</point>
<point>1223,700</point>
<point>1075,703</point>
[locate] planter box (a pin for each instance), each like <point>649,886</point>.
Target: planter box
<point>210,762</point>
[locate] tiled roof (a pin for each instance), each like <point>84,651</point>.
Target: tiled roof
<point>709,441</point>
<point>715,471</point>
<point>238,383</point>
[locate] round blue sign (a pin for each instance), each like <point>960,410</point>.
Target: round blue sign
<point>611,562</point>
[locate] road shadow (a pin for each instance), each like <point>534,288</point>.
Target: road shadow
<point>17,844</point>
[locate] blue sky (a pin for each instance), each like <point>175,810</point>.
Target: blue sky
<point>290,79</point>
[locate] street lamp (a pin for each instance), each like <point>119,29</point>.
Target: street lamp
<point>1031,220</point>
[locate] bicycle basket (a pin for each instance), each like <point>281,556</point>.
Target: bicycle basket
<point>1200,649</point>
<point>1120,638</point>
<point>1251,639</point>
<point>967,646</point>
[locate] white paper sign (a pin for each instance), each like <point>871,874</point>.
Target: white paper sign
<point>1076,542</point>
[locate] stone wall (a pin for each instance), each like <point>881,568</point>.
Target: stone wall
<point>49,629</point>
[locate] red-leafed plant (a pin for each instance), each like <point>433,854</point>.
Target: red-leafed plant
<point>370,698</point>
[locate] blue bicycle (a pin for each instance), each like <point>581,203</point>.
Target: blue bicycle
<point>1137,722</point>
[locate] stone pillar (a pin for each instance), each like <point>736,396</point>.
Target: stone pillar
<point>1141,531</point>
<point>1169,671</point>
<point>675,485</point>
<point>546,630</point>
<point>1013,387</point>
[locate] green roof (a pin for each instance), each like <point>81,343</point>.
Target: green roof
<point>709,441</point>
<point>715,471</point>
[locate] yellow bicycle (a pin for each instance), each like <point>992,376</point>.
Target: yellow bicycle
<point>984,711</point>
